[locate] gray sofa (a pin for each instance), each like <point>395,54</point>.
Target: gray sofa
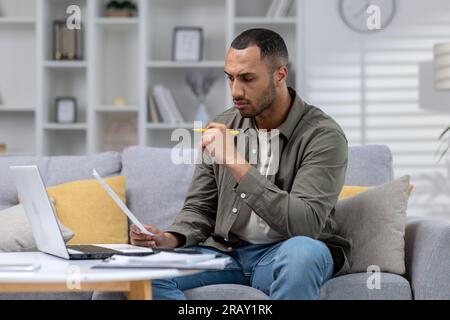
<point>155,191</point>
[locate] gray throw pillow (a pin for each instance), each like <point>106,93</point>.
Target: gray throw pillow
<point>15,231</point>
<point>375,222</point>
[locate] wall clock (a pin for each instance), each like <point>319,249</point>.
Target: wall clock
<point>355,16</point>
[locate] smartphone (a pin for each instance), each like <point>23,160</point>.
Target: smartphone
<point>178,250</point>
<point>19,267</point>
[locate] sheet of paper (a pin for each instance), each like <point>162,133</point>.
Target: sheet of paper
<point>122,206</point>
<point>167,260</point>
<point>126,248</point>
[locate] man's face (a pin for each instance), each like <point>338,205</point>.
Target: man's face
<point>250,80</point>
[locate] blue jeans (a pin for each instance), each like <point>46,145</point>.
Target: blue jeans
<point>294,269</point>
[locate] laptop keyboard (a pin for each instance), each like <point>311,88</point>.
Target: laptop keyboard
<point>91,249</point>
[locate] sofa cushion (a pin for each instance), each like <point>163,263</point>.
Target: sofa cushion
<point>225,292</point>
<point>155,186</point>
<point>350,191</point>
<point>56,170</point>
<point>369,165</point>
<point>16,233</point>
<point>88,210</point>
<point>355,287</point>
<point>375,221</point>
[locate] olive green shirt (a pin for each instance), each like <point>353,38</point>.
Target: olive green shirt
<point>298,200</point>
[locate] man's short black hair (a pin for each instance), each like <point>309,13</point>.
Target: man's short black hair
<point>270,43</point>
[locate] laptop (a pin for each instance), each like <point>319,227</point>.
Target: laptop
<point>44,223</point>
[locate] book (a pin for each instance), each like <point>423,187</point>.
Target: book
<point>153,115</point>
<point>167,260</point>
<point>173,105</point>
<point>282,9</point>
<point>271,11</point>
<point>163,104</point>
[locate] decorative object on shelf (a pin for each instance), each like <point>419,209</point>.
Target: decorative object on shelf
<point>67,44</point>
<point>187,44</point>
<point>66,110</point>
<point>355,14</point>
<point>200,85</point>
<point>116,8</point>
<point>120,102</point>
<point>2,148</point>
<point>119,131</point>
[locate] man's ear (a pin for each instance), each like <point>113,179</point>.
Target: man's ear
<point>281,74</point>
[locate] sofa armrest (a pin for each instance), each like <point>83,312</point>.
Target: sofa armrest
<point>427,257</point>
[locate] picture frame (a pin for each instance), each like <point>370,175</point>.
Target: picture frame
<point>65,110</point>
<point>67,44</point>
<point>187,44</point>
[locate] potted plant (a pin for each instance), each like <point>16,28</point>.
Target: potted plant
<point>445,144</point>
<point>117,8</point>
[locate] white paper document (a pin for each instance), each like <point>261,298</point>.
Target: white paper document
<point>125,248</point>
<point>167,260</point>
<point>121,205</point>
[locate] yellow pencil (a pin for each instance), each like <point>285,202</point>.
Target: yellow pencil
<point>230,131</point>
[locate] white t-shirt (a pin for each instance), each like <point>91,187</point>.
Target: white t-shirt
<point>248,225</point>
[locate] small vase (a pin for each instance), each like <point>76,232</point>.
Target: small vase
<point>202,114</point>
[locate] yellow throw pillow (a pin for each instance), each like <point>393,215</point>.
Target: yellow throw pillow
<point>85,208</point>
<point>350,191</point>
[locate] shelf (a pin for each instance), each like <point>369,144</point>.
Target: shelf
<point>18,21</point>
<point>131,55</point>
<point>15,109</point>
<point>117,21</point>
<point>265,20</point>
<point>113,109</point>
<point>169,126</point>
<point>65,64</point>
<point>65,126</point>
<point>17,154</point>
<point>176,64</point>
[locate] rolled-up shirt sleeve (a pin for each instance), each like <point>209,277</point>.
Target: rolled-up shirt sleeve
<point>197,217</point>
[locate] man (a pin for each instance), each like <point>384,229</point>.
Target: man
<point>278,227</point>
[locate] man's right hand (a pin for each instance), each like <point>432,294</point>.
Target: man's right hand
<point>160,239</point>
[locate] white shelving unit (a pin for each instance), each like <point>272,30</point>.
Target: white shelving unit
<point>122,57</point>
<point>17,21</point>
<point>17,76</point>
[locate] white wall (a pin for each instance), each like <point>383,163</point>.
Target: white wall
<point>372,84</point>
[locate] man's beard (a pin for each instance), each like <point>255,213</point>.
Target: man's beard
<point>263,104</point>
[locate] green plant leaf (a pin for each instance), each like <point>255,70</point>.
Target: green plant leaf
<point>443,133</point>
<point>114,4</point>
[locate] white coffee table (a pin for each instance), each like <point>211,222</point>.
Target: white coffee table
<point>59,275</point>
